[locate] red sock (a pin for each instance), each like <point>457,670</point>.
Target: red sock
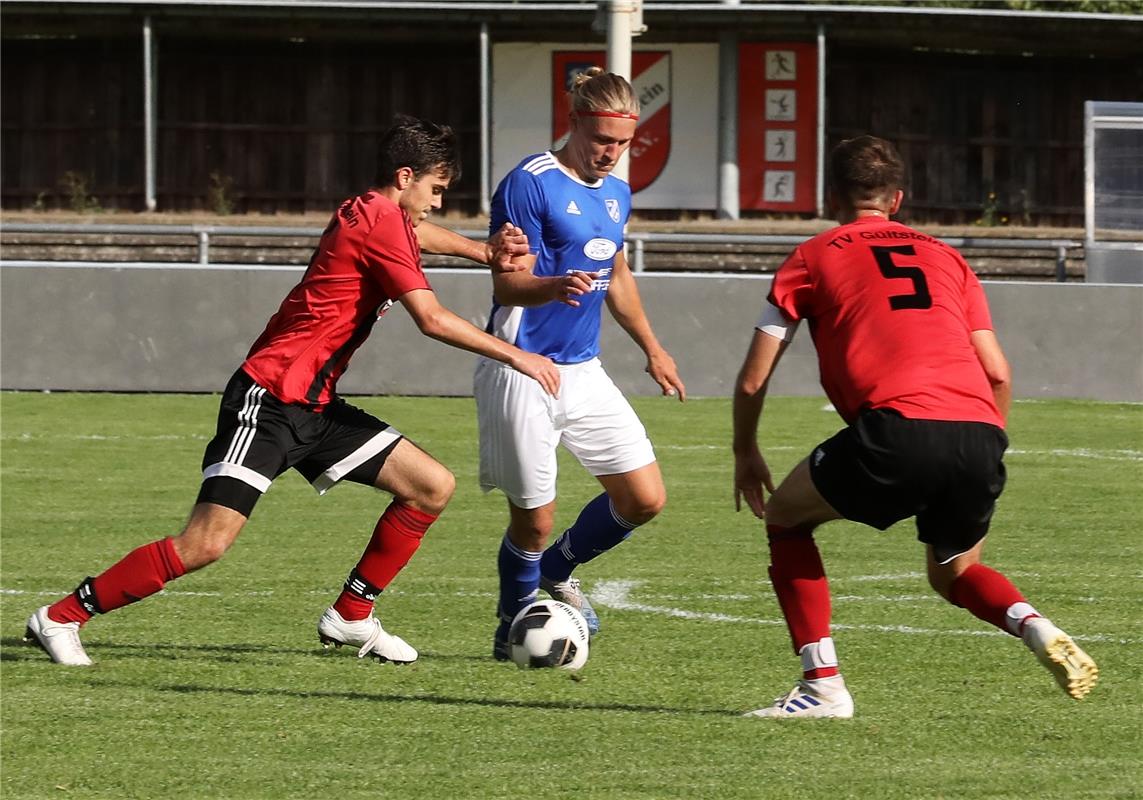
<point>139,574</point>
<point>988,595</point>
<point>397,536</point>
<point>803,592</point>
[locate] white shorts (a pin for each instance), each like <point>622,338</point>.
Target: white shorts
<point>520,426</point>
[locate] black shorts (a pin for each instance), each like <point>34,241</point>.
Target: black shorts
<point>884,468</point>
<point>259,437</point>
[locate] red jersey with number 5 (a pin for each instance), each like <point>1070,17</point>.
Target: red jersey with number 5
<point>367,258</point>
<point>890,311</point>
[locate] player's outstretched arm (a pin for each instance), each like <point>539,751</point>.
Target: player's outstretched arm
<point>499,252</point>
<point>627,308</point>
<point>751,473</point>
<point>523,288</point>
<point>437,322</point>
<point>506,248</point>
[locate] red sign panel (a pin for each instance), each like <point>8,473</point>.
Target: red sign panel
<point>652,84</point>
<point>777,126</point>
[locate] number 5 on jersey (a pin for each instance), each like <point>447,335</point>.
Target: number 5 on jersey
<point>920,298</point>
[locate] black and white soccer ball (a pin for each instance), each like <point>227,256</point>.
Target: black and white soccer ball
<point>548,633</point>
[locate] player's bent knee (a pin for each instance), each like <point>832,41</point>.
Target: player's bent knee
<point>532,538</point>
<point>430,491</point>
<point>210,532</point>
<point>942,577</point>
<point>644,511</point>
<point>441,493</point>
<point>785,514</point>
<point>198,549</point>
<point>639,508</point>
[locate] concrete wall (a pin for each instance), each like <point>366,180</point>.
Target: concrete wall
<point>140,328</point>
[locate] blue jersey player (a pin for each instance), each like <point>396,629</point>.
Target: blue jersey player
<point>573,212</point>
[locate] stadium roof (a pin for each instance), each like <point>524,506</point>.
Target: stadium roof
<point>913,26</point>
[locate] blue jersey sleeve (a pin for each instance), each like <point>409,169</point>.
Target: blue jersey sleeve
<point>519,199</point>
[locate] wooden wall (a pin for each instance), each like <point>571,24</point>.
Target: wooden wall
<point>973,125</point>
<point>295,126</point>
<point>265,126</point>
<point>71,110</point>
<point>271,125</point>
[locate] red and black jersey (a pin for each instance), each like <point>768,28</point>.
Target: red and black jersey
<point>891,311</point>
<point>367,258</point>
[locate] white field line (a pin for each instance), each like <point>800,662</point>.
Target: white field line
<point>722,447</point>
<point>99,437</point>
<point>615,594</point>
<point>1083,452</point>
<point>1079,452</point>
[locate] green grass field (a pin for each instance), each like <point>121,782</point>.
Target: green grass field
<point>218,688</point>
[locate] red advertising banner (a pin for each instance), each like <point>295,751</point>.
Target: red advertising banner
<point>777,126</point>
<point>652,84</point>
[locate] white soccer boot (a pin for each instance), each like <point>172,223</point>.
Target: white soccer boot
<point>571,592</point>
<point>1073,669</point>
<point>60,640</point>
<point>824,697</point>
<point>368,633</point>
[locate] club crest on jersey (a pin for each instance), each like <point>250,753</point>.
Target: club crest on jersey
<point>612,208</point>
<point>599,249</point>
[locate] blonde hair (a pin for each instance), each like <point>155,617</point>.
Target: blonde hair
<point>597,91</point>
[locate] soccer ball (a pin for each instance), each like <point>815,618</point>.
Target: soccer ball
<point>548,633</point>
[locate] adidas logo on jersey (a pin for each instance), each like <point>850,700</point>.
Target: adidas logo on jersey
<point>572,208</point>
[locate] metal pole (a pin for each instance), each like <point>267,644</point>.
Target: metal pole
<point>819,183</point>
<point>637,264</point>
<point>204,247</point>
<point>1088,172</point>
<point>728,125</point>
<point>485,130</point>
<point>619,56</point>
<point>148,115</point>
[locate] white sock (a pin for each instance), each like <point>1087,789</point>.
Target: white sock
<point>818,655</point>
<point>1016,615</point>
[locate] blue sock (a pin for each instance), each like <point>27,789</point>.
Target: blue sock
<point>519,580</point>
<point>597,530</point>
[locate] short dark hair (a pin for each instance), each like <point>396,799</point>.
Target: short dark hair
<point>865,168</point>
<point>420,145</point>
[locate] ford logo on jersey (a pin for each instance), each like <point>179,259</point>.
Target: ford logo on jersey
<point>599,249</point>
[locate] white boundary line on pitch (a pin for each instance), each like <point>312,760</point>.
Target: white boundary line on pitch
<point>614,594</point>
<point>1079,452</point>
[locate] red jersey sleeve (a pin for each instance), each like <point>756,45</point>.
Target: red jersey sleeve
<point>792,287</point>
<point>975,303</point>
<point>393,256</point>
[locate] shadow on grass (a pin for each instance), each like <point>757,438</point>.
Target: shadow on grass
<point>16,649</point>
<point>433,699</point>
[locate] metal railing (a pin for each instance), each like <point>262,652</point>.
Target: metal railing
<point>201,232</point>
<point>637,240</point>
